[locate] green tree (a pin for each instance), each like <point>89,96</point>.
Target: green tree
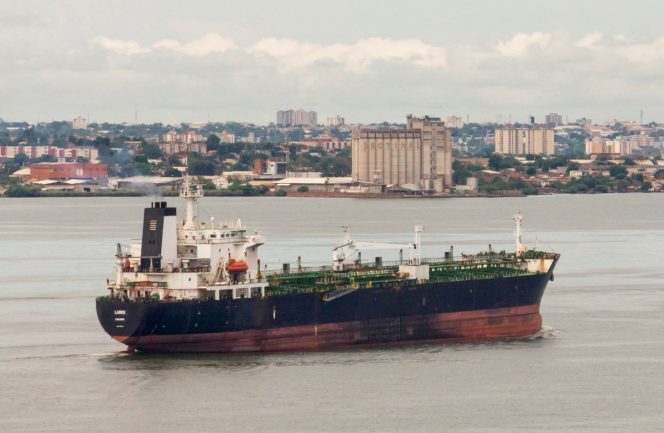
<point>21,191</point>
<point>21,159</point>
<point>50,158</point>
<point>528,189</point>
<point>213,141</point>
<point>152,151</point>
<point>460,173</point>
<point>616,170</point>
<point>622,185</point>
<point>172,172</point>
<point>201,167</point>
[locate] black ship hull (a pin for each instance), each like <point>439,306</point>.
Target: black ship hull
<point>480,309</point>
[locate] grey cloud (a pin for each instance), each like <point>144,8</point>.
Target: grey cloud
<point>59,69</point>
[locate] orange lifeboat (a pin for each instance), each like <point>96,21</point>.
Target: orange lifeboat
<point>237,266</point>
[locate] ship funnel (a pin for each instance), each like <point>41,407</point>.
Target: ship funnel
<point>159,242</point>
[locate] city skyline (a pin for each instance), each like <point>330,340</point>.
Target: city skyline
<point>219,61</point>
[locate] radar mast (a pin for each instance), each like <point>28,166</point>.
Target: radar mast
<point>191,191</point>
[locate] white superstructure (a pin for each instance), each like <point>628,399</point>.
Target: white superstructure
<point>190,259</point>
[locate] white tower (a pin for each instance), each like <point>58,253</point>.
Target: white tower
<point>417,241</point>
<point>520,248</point>
<point>191,192</point>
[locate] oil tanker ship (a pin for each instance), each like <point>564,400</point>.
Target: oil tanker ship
<point>199,287</point>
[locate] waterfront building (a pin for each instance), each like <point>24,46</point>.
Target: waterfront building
<point>536,140</point>
<point>68,170</point>
<point>315,184</point>
<point>418,157</point>
<point>620,146</point>
<point>270,167</point>
<point>436,152</point>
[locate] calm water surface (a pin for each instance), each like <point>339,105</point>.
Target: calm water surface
<point>598,366</point>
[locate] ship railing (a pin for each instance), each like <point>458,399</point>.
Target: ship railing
<point>498,259</point>
<point>144,284</point>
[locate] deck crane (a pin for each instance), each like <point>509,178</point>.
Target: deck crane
<point>350,248</point>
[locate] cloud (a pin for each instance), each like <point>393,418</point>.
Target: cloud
<point>520,43</point>
<point>210,43</point>
<point>589,40</point>
<point>354,57</point>
<point>289,54</point>
<point>643,53</point>
<point>365,78</point>
<point>118,46</point>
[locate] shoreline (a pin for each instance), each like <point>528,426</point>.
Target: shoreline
<point>312,194</point>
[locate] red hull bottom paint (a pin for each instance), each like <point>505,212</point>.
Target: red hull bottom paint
<point>459,327</point>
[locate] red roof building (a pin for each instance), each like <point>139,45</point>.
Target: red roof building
<point>68,170</point>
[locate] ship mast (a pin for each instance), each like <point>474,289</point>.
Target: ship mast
<point>416,245</point>
<point>519,247</point>
<point>191,192</point>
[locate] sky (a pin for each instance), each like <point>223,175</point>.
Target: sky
<point>369,61</point>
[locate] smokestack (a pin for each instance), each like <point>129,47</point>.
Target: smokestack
<point>159,242</point>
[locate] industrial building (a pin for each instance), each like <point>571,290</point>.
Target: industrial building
<point>436,152</point>
<point>416,158</point>
<point>68,170</point>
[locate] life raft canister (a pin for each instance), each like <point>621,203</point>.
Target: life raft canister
<point>237,266</point>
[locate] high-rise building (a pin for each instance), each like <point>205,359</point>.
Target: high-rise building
<point>79,123</point>
<point>184,137</point>
<point>88,152</point>
<point>537,140</point>
<point>454,122</point>
<point>297,118</point>
<point>335,120</point>
<point>553,119</point>
<point>620,146</point>
<point>418,157</point>
<point>284,117</point>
